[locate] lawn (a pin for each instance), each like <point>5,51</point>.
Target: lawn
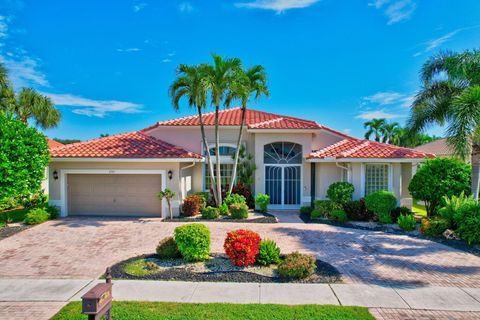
<point>167,310</point>
<point>16,215</point>
<point>419,209</point>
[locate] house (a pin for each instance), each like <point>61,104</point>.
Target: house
<point>438,147</point>
<point>296,161</point>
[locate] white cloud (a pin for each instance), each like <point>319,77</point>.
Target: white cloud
<point>166,60</point>
<point>3,27</point>
<point>185,7</point>
<point>23,70</point>
<point>139,6</point>
<point>172,54</point>
<point>376,114</point>
<point>384,98</point>
<point>437,42</point>
<point>94,108</point>
<point>395,10</point>
<point>278,6</point>
<point>128,50</point>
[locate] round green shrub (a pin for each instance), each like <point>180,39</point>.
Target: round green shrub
<point>262,201</point>
<point>340,192</point>
<point>238,211</point>
<point>315,214</point>
<point>468,222</point>
<point>53,212</point>
<point>381,203</point>
<point>297,265</point>
<point>36,216</point>
<point>357,210</point>
<point>407,222</point>
<point>434,227</point>
<point>339,215</point>
<point>210,213</point>
<point>167,249</point>
<point>193,241</point>
<point>325,207</point>
<point>306,210</point>
<point>234,198</point>
<point>437,178</point>
<point>223,209</point>
<point>269,253</point>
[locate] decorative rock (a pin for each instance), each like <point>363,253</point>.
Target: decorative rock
<point>450,235</point>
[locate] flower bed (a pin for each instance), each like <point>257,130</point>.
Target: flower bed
<point>254,217</point>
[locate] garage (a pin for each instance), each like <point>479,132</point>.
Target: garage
<point>114,194</point>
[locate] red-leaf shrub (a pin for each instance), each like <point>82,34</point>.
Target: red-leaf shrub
<point>242,247</point>
<point>192,205</point>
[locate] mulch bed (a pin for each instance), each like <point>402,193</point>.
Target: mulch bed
<point>265,218</point>
<point>456,244</point>
<point>325,273</point>
<point>6,232</point>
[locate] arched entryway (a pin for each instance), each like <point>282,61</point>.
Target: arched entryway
<point>283,174</point>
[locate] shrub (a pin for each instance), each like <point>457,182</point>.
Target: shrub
<point>452,206</point>
<point>437,178</point>
<point>325,207</point>
<point>192,205</point>
<point>210,213</point>
<point>242,246</point>
<point>269,253</point>
<point>193,241</point>
<point>205,196</point>
<point>468,222</point>
<point>234,198</point>
<point>168,249</point>
<point>297,265</point>
<point>245,191</point>
<point>53,212</point>
<point>223,210</point>
<point>238,211</point>
<point>315,214</point>
<point>381,203</point>
<point>340,192</point>
<point>36,216</point>
<point>339,215</point>
<point>433,227</point>
<point>357,210</point>
<point>398,211</point>
<point>24,156</point>
<point>262,201</point>
<point>407,222</point>
<point>38,199</point>
<point>306,210</point>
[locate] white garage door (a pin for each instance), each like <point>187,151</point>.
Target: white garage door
<point>114,194</point>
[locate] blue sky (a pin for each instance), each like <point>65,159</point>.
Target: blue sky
<point>108,64</point>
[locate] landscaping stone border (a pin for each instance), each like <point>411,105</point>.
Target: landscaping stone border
<point>267,218</point>
<point>456,244</point>
<point>325,271</point>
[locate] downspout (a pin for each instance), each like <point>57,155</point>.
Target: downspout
<point>312,183</point>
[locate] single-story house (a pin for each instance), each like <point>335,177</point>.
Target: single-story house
<point>296,160</point>
<point>438,147</point>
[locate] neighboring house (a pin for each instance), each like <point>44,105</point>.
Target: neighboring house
<point>438,147</point>
<point>296,161</point>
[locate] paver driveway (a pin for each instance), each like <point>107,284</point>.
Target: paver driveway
<point>84,247</point>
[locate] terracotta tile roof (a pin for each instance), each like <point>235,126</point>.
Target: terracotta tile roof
<point>127,145</point>
<point>356,148</point>
<point>53,144</point>
<point>438,147</point>
<point>254,119</point>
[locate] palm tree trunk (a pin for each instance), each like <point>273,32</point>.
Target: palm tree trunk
<point>209,159</point>
<point>475,158</point>
<point>217,157</point>
<point>237,151</point>
<point>170,208</point>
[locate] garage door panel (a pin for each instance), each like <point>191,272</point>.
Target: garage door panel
<point>114,194</point>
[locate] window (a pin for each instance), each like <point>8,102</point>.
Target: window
<point>282,153</point>
<point>224,151</point>
<point>225,171</point>
<point>376,178</point>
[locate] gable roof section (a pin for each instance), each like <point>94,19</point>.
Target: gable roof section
<point>366,149</point>
<point>438,147</point>
<point>127,145</point>
<point>53,144</point>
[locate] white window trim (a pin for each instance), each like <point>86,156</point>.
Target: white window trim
<point>363,174</point>
<point>65,172</point>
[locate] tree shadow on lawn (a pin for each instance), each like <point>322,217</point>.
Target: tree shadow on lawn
<point>384,259</point>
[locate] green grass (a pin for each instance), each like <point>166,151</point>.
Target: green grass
<point>177,311</point>
<point>16,215</point>
<point>139,268</point>
<point>419,209</point>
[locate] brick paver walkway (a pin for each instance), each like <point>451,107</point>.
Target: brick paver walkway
<point>84,247</point>
<point>29,310</point>
<point>404,314</point>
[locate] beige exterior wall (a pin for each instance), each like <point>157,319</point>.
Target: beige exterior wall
<point>326,174</point>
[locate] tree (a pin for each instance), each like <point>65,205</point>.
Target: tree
<point>168,195</point>
<point>219,79</point>
<point>437,178</point>
<point>24,156</point>
<point>375,127</point>
<point>391,133</point>
<point>248,82</point>
<point>189,84</point>
<point>451,95</point>
<point>246,168</point>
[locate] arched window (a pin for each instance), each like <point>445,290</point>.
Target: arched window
<point>282,153</point>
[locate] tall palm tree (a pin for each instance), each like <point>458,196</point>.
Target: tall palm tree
<point>219,79</point>
<point>189,84</point>
<point>31,104</point>
<point>391,133</point>
<point>375,127</point>
<point>451,95</point>
<point>248,82</point>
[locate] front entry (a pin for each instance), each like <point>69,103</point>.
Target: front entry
<point>283,174</point>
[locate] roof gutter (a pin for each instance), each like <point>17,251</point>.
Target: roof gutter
<point>382,160</point>
<point>56,159</point>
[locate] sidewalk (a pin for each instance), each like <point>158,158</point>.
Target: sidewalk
<point>59,291</point>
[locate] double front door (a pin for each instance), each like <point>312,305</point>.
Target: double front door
<point>283,185</point>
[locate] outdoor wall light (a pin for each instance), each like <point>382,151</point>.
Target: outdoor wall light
<point>55,175</point>
<point>170,174</point>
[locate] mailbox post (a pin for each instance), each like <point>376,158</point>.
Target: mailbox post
<point>97,302</point>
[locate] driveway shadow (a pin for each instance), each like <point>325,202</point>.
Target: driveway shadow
<point>93,221</point>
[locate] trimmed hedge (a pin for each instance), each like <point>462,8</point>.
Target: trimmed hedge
<point>193,241</point>
<point>242,247</point>
<point>297,265</point>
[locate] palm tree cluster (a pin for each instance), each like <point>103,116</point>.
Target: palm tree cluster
<point>218,85</point>
<point>393,133</point>
<point>450,96</point>
<point>27,104</point>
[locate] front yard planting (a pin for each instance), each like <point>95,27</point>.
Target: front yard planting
<point>167,310</point>
<point>247,258</point>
